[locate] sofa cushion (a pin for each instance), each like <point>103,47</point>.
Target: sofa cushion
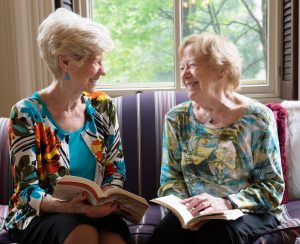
<point>288,230</point>
<point>280,117</point>
<point>292,147</point>
<point>141,118</point>
<point>142,231</point>
<point>3,214</point>
<point>6,182</point>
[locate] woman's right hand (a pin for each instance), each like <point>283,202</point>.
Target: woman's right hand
<point>79,205</point>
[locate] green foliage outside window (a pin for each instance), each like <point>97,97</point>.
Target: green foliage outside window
<point>143,31</point>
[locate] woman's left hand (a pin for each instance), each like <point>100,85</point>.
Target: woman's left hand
<point>205,204</point>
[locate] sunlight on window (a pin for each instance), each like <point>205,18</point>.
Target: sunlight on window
<point>241,21</point>
<point>144,33</point>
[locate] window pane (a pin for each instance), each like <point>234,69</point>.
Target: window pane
<point>143,33</point>
<point>244,22</point>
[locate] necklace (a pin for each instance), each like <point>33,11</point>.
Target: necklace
<point>202,116</point>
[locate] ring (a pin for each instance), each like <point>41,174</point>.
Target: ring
<point>207,202</point>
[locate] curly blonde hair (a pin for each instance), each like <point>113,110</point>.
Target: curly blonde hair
<point>219,52</point>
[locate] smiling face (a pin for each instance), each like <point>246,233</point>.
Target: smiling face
<point>197,76</point>
<point>86,75</point>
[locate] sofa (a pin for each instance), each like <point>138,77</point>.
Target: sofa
<point>141,123</point>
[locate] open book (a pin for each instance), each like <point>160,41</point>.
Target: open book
<point>132,206</point>
<point>186,218</point>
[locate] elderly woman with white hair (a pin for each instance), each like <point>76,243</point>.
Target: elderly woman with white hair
<point>220,150</point>
<point>66,128</point>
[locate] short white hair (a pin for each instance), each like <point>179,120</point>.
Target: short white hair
<point>66,33</point>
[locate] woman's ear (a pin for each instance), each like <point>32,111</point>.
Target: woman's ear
<point>222,74</point>
<point>64,62</point>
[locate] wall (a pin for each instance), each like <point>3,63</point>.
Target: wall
<point>21,69</point>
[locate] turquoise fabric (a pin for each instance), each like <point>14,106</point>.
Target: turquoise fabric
<point>82,161</point>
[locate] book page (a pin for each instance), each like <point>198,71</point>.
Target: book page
<point>173,203</point>
<point>68,186</point>
<point>113,191</point>
<point>186,218</point>
<point>66,192</point>
<point>130,208</point>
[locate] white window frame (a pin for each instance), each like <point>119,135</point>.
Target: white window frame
<point>268,91</point>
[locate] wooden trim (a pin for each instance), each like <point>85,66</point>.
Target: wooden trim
<point>68,4</point>
<point>290,24</point>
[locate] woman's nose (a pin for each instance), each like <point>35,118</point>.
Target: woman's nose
<point>185,71</point>
<point>101,70</point>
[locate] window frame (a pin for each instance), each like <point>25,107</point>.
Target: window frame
<point>268,91</point>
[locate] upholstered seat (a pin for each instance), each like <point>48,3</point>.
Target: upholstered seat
<point>141,123</point>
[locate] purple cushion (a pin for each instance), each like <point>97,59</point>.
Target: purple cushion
<point>151,218</point>
<point>143,230</point>
<point>6,179</point>
<point>280,116</point>
<point>4,237</point>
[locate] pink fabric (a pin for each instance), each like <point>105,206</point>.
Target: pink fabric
<point>280,116</point>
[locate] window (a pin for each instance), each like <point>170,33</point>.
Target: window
<point>147,34</point>
<point>143,33</point>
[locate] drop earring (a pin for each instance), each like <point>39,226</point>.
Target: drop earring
<point>67,76</point>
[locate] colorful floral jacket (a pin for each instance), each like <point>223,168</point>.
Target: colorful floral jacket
<point>40,152</point>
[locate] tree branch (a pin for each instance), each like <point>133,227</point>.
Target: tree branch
<point>252,63</point>
<point>166,14</point>
<point>241,23</point>
<point>252,15</point>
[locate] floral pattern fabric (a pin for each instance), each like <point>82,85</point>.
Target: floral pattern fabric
<point>241,161</point>
<point>40,152</point>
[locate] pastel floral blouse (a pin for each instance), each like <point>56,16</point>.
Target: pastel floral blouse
<point>40,152</point>
<point>241,161</point>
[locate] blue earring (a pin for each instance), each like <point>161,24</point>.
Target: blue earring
<point>67,76</point>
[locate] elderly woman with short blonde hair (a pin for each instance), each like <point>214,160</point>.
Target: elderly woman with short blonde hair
<point>66,128</point>
<point>220,150</point>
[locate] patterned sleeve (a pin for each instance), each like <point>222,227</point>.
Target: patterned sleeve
<point>266,182</point>
<point>115,170</point>
<point>171,178</point>
<point>24,158</point>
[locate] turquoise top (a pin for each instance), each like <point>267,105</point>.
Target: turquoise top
<point>82,160</point>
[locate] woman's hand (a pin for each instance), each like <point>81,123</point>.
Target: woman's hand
<point>79,205</point>
<point>205,204</point>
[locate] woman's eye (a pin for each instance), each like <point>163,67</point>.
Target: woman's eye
<point>98,62</point>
